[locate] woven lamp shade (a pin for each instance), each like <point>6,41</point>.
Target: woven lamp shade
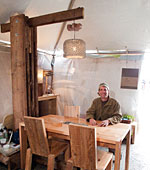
<point>74,48</point>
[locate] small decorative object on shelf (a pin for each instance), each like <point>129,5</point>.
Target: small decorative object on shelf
<point>47,81</point>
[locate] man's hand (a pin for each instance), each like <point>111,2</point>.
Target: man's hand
<point>104,123</point>
<point>93,122</point>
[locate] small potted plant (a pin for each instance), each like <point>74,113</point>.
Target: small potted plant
<point>127,118</point>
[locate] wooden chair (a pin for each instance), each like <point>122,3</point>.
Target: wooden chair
<point>72,111</point>
<point>84,153</point>
<point>38,142</point>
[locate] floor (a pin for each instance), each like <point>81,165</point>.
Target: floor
<point>139,155</point>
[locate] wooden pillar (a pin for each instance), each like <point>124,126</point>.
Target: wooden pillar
<point>35,111</point>
<point>31,67</point>
<point>18,67</point>
<point>24,69</point>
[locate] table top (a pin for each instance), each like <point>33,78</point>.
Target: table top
<point>110,134</point>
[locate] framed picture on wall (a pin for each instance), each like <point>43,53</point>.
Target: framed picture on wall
<point>129,78</point>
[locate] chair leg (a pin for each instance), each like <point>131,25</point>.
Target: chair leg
<point>28,159</point>
<point>109,167</point>
<point>51,159</point>
<point>67,153</point>
<point>9,166</point>
<point>69,165</point>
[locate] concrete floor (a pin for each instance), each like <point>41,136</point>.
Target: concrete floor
<point>139,155</point>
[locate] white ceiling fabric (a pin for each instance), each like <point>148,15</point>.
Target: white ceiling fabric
<point>110,25</point>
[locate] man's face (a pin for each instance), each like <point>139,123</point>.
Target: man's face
<point>103,92</point>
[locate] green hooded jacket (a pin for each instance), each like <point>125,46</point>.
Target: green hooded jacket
<point>110,110</point>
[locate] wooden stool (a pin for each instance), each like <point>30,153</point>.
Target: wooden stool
<point>12,161</point>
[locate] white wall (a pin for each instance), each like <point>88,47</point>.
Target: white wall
<point>5,83</point>
<point>77,82</point>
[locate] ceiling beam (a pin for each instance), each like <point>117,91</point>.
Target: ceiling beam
<point>53,18</point>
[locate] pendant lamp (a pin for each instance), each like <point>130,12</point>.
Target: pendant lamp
<point>74,48</point>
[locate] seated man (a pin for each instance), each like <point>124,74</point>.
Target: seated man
<point>104,108</point>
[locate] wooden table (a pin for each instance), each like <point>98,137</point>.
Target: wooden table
<point>134,128</point>
<point>111,136</point>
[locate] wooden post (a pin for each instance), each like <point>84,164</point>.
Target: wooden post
<point>24,69</point>
<point>31,61</point>
<point>35,69</point>
<point>18,67</point>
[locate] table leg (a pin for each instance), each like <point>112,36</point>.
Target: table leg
<point>127,150</point>
<point>117,155</point>
<point>23,145</point>
<point>134,126</point>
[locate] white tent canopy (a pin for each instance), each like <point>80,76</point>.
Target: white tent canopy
<point>107,25</point>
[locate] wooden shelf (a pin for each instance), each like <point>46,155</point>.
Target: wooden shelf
<point>47,97</point>
<point>47,104</point>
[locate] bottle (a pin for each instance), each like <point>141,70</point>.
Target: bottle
<point>2,139</point>
<point>5,133</point>
<point>1,133</point>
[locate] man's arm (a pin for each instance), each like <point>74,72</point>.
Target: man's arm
<point>90,114</point>
<point>91,111</point>
<point>117,115</point>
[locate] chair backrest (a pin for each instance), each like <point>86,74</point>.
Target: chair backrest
<point>37,136</point>
<point>72,111</point>
<point>83,146</point>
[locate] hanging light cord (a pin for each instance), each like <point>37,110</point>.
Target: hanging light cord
<point>63,26</point>
<point>74,28</point>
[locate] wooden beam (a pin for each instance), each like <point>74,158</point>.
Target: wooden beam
<point>5,28</point>
<point>63,16</point>
<point>53,18</point>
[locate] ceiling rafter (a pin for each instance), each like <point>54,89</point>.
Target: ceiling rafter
<point>50,18</point>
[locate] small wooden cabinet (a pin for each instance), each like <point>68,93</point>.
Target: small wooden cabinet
<point>47,104</point>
